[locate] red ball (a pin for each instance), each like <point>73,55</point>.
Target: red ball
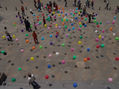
<point>98,26</point>
<point>117,58</point>
<point>46,77</point>
<point>88,58</point>
<point>98,46</point>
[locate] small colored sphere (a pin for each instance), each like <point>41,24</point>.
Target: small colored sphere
<point>49,66</point>
<point>88,49</point>
<point>46,77</point>
<point>75,85</point>
<point>74,57</point>
<point>102,45</point>
<point>50,36</point>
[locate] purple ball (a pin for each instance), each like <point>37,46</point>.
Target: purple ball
<point>22,30</point>
<point>59,27</point>
<point>51,43</point>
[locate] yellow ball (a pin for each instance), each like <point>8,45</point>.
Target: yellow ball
<point>14,36</point>
<point>53,12</point>
<point>64,19</point>
<point>99,36</point>
<point>56,24</point>
<point>59,15</point>
<point>79,23</point>
<point>79,42</point>
<point>3,37</point>
<point>45,25</point>
<point>32,58</point>
<point>79,13</point>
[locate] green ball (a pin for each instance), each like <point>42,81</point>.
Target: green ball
<point>80,26</point>
<point>100,22</point>
<point>97,23</point>
<point>65,26</point>
<point>85,19</point>
<point>26,34</point>
<point>40,22</point>
<point>63,45</point>
<point>19,69</point>
<point>41,47</point>
<point>102,45</point>
<point>81,37</point>
<point>76,12</point>
<point>74,57</point>
<point>73,15</point>
<point>2,51</point>
<point>116,38</point>
<point>31,26</point>
<point>62,19</point>
<point>67,20</point>
<point>13,79</point>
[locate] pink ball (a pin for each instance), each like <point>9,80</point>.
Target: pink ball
<point>72,49</point>
<point>22,50</point>
<point>49,55</point>
<point>17,39</point>
<point>79,29</point>
<point>63,61</point>
<point>97,39</point>
<point>110,79</point>
<point>103,31</point>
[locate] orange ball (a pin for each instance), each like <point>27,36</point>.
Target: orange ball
<point>27,41</point>
<point>85,59</point>
<point>63,23</point>
<point>110,28</point>
<point>33,47</point>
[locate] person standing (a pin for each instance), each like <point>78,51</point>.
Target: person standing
<point>107,4</point>
<point>39,4</point>
<point>35,4</point>
<point>89,18</point>
<point>35,37</point>
<point>65,3</point>
<point>75,3</point>
<point>8,36</point>
<point>79,4</point>
<point>23,11</point>
<point>92,4</point>
<point>44,21</point>
<point>32,81</point>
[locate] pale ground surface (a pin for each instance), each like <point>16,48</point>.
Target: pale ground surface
<point>101,68</point>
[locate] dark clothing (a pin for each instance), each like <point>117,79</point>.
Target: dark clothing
<point>65,3</point>
<point>44,21</point>
<point>9,38</point>
<point>35,37</point>
<point>35,85</point>
<point>89,16</point>
<point>27,25</point>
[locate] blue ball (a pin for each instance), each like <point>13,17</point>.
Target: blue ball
<point>42,38</point>
<point>73,28</point>
<point>34,15</point>
<point>66,14</point>
<point>38,10</point>
<point>72,24</point>
<point>88,49</point>
<point>49,66</point>
<point>85,25</point>
<point>75,85</point>
<point>76,8</point>
<point>71,13</point>
<point>50,36</point>
<point>76,18</point>
<point>115,17</point>
<point>69,29</point>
